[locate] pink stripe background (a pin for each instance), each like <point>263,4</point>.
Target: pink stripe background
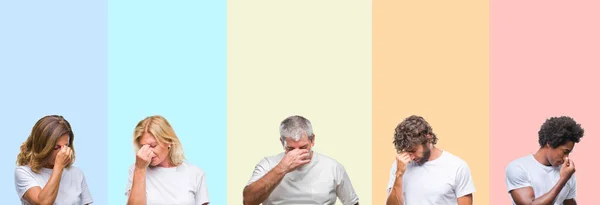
<point>545,57</point>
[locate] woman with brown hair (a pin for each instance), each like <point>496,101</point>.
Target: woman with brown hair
<point>44,174</point>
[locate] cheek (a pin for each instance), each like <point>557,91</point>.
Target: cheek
<point>559,156</point>
<point>160,152</point>
<point>52,157</point>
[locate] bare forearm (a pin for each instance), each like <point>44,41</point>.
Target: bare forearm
<point>137,195</point>
<point>258,191</point>
<point>48,194</point>
<point>395,197</point>
<point>548,198</point>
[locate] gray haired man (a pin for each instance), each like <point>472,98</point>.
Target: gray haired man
<point>298,175</point>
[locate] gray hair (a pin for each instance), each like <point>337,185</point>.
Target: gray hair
<point>294,127</point>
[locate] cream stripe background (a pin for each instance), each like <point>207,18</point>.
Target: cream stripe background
<point>311,58</point>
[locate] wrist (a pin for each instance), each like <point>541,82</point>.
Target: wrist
<point>563,179</point>
<point>281,169</point>
<point>58,167</point>
<point>399,174</point>
<point>139,169</point>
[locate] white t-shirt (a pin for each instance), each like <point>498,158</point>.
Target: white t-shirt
<point>72,190</point>
<point>318,182</point>
<point>440,181</point>
<point>528,172</point>
<point>181,185</point>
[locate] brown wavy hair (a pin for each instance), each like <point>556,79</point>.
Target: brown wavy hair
<point>413,131</point>
<point>42,140</point>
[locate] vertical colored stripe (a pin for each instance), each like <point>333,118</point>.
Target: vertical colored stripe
<point>309,58</point>
<point>544,64</point>
<point>431,59</point>
<point>168,58</point>
<point>53,62</point>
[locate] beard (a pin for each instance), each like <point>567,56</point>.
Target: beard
<point>426,155</point>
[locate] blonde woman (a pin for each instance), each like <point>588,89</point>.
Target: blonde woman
<point>44,174</point>
<point>159,175</point>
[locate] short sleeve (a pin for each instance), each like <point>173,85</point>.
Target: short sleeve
<point>260,170</point>
<point>464,181</point>
<point>86,196</point>
<point>24,180</point>
<point>573,191</point>
<point>392,178</point>
<point>516,177</point>
<point>344,190</point>
<point>202,190</point>
<point>129,181</point>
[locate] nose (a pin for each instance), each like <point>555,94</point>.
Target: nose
<point>412,156</point>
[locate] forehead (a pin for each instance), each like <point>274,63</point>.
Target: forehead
<point>289,142</point>
<point>63,139</point>
<point>569,145</point>
<point>414,148</point>
<point>147,138</point>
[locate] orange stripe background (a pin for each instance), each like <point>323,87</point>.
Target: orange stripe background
<point>432,59</point>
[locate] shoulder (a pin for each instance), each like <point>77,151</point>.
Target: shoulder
<point>517,163</point>
<point>516,169</point>
<point>24,171</point>
<point>275,158</point>
<point>191,169</point>
<point>454,161</point>
<point>271,161</point>
<point>74,171</point>
<point>24,168</point>
<point>325,160</point>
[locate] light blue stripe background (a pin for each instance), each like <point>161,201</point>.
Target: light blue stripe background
<point>53,59</point>
<point>168,58</point>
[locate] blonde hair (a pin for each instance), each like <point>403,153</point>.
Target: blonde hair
<point>42,140</point>
<point>162,131</point>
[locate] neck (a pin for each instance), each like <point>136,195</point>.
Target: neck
<point>435,153</point>
<point>540,156</point>
<point>165,164</point>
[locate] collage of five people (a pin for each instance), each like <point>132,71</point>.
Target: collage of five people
<point>299,102</point>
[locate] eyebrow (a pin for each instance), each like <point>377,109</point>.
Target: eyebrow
<point>303,147</point>
<point>410,150</point>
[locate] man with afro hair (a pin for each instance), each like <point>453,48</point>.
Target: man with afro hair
<point>546,177</point>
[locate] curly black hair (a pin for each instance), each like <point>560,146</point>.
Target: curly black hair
<point>411,132</point>
<point>557,130</point>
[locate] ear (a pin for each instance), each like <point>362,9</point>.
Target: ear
<point>313,140</point>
